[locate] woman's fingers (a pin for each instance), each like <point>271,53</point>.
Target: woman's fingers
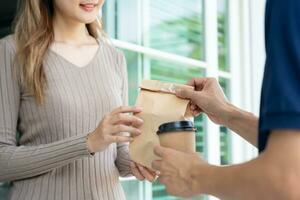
<point>126,109</point>
<point>147,174</point>
<point>142,173</point>
<point>120,139</point>
<point>109,133</point>
<point>123,128</point>
<point>136,172</point>
<point>126,119</point>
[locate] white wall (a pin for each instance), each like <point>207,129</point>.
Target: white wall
<point>252,19</point>
<point>257,15</point>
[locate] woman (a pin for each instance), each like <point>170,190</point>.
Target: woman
<point>61,88</point>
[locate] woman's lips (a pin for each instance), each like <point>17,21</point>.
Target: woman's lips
<point>88,7</point>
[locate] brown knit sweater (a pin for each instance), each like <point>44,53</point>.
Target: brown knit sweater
<point>51,160</point>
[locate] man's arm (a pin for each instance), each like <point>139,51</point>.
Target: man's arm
<point>273,175</point>
<point>244,123</point>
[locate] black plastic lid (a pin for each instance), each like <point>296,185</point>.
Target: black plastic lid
<point>176,126</point>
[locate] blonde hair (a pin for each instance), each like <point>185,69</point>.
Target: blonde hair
<point>34,34</point>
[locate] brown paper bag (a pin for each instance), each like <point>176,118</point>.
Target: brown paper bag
<point>160,105</point>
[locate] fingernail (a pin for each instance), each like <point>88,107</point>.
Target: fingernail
<point>138,108</point>
<point>157,173</point>
<point>155,179</point>
<point>141,168</point>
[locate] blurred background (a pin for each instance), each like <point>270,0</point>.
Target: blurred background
<point>175,40</point>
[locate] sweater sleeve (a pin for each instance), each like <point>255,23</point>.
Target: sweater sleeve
<point>123,160</point>
<point>20,162</point>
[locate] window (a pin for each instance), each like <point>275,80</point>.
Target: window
<point>4,188</point>
<point>176,23</point>
<point>175,40</point>
<point>224,65</point>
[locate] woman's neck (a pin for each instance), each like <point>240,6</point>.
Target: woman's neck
<point>69,31</point>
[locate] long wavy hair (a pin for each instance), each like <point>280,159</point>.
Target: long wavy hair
<point>34,34</point>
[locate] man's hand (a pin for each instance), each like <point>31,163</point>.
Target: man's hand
<point>176,171</point>
<point>208,98</point>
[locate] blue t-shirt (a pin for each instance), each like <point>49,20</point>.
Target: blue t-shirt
<point>280,101</point>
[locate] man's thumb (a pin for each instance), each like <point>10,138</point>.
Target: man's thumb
<point>186,94</point>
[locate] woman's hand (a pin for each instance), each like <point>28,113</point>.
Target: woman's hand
<point>142,173</point>
<point>112,126</point>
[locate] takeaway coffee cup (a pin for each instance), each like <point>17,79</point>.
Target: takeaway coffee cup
<point>179,135</point>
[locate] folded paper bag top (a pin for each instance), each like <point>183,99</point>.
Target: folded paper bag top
<point>164,87</point>
<point>160,105</point>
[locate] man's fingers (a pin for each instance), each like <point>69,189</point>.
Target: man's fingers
<point>186,94</point>
<point>196,113</point>
<point>163,179</point>
<point>192,82</point>
<point>193,107</point>
<point>198,83</point>
<point>195,110</point>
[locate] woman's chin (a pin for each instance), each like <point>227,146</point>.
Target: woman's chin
<point>87,20</point>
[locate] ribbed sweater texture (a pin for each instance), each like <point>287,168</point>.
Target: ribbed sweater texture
<point>50,160</point>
